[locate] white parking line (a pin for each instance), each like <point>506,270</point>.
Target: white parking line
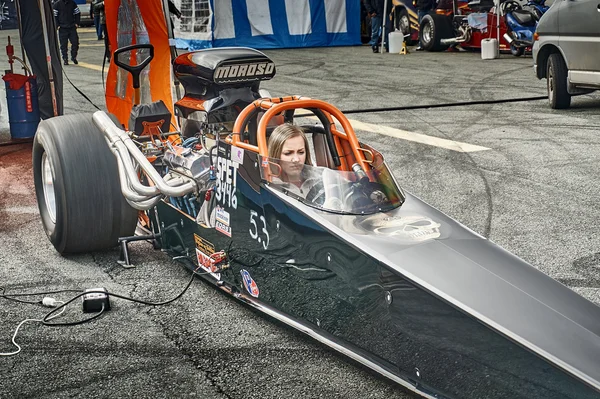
<point>417,137</point>
<point>410,136</point>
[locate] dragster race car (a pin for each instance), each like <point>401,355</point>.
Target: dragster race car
<point>356,263</point>
<point>464,23</point>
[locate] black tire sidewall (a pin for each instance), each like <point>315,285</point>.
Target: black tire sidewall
<point>91,213</point>
<point>43,144</point>
<point>427,20</point>
<point>559,97</point>
<point>440,28</point>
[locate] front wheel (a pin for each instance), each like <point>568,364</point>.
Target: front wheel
<point>77,186</point>
<point>556,76</point>
<point>517,51</point>
<point>434,28</point>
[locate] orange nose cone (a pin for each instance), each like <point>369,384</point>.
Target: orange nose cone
<point>536,37</point>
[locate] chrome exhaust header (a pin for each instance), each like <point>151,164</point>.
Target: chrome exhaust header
<point>130,159</point>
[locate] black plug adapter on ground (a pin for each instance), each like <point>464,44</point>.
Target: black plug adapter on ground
<point>95,301</point>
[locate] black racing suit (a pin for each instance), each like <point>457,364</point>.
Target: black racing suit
<point>67,16</point>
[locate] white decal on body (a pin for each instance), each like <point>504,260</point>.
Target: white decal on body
<point>225,190</point>
<point>254,232</point>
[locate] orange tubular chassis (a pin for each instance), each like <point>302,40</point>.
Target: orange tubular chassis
<point>346,143</point>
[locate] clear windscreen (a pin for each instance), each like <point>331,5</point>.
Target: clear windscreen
<point>346,192</point>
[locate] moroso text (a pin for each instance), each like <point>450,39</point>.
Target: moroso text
<point>241,71</point>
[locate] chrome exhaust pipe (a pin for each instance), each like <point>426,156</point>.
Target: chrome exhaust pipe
<point>127,152</point>
<point>465,36</point>
<point>450,41</point>
<point>508,38</point>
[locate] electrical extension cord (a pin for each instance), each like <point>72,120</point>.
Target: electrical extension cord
<point>50,302</point>
<point>47,301</point>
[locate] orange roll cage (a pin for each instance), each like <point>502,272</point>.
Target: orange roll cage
<point>345,142</point>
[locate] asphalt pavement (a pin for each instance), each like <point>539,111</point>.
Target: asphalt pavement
<point>519,173</point>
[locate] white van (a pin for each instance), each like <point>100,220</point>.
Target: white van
<point>566,49</point>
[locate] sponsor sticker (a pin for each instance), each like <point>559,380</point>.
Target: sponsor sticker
<point>206,264</point>
<point>222,228</point>
<point>237,154</point>
<point>243,72</point>
<point>203,245</point>
<point>249,283</point>
<point>203,251</point>
<point>222,215</point>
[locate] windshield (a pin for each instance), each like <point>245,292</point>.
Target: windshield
<point>334,190</point>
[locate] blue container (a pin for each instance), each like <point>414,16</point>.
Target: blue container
<point>23,110</point>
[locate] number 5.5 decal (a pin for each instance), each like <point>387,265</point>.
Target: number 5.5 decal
<point>264,239</point>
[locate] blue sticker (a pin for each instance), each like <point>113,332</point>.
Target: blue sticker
<point>249,283</point>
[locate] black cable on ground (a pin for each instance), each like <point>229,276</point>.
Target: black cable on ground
<point>12,297</point>
<point>79,91</point>
<point>442,105</point>
<point>47,317</point>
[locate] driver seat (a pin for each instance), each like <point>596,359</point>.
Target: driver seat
<point>322,154</point>
<point>524,17</point>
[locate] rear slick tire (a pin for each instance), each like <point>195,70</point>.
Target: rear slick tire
<point>556,77</point>
<point>77,186</point>
<point>433,29</point>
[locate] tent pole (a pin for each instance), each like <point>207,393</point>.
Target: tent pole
<point>21,33</point>
<point>383,24</point>
<point>172,47</point>
<point>48,56</point>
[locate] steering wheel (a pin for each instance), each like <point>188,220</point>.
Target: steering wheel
<point>364,195</point>
<point>355,196</point>
<point>316,194</point>
<point>511,5</point>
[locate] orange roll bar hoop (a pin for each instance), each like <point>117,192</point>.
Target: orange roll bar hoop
<point>274,106</point>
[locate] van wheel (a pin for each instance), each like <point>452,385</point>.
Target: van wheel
<point>556,76</point>
<point>403,25</point>
<point>77,186</point>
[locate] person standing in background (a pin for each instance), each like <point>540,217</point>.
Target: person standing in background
<point>67,16</point>
<point>371,7</point>
<point>96,17</point>
<point>98,7</point>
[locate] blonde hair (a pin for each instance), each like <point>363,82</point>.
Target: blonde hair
<point>281,134</point>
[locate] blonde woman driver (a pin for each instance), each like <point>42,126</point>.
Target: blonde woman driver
<point>289,144</point>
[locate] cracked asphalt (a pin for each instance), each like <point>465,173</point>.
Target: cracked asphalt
<point>535,193</point>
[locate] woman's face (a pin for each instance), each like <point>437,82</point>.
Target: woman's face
<point>293,154</point>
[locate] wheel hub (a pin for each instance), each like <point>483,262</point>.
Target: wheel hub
<point>404,25</point>
<point>427,33</point>
<point>48,187</point>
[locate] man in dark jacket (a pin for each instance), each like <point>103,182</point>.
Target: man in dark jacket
<point>379,18</point>
<point>67,16</point>
<point>371,7</point>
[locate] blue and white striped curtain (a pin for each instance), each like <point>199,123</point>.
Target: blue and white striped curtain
<point>268,23</point>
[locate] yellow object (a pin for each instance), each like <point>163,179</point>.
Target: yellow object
<point>404,50</point>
